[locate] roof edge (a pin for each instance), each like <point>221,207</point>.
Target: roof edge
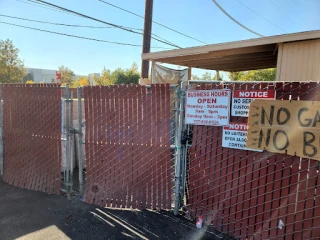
<point>232,45</point>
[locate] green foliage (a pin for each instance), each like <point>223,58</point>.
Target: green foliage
<point>66,75</point>
<point>207,76</point>
<point>11,67</point>
<point>82,81</point>
<point>255,75</point>
<point>104,79</point>
<point>29,82</point>
<point>119,76</point>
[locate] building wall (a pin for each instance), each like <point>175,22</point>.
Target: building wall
<point>41,75</point>
<point>299,61</point>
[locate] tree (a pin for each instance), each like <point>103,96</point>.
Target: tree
<point>66,75</point>
<point>207,76</point>
<point>104,79</point>
<point>82,81</point>
<point>255,75</point>
<point>195,77</point>
<point>126,76</point>
<point>11,66</point>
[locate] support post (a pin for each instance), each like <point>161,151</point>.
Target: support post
<point>178,150</point>
<point>80,163</point>
<point>1,134</point>
<point>146,37</point>
<point>217,75</point>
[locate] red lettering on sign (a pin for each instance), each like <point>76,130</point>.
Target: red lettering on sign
<point>254,94</point>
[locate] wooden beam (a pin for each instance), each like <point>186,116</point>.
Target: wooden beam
<point>241,64</point>
<point>231,61</point>
<point>256,67</point>
<point>219,54</point>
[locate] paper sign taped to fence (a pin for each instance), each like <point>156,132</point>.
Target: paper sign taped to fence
<point>208,107</point>
<point>291,127</point>
<point>241,100</point>
<point>235,136</point>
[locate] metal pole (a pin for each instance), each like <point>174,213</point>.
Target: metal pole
<point>178,152</point>
<point>1,134</point>
<point>67,179</point>
<point>80,140</point>
<point>71,143</point>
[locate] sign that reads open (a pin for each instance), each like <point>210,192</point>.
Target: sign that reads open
<point>234,136</point>
<point>241,100</point>
<point>291,127</point>
<point>208,107</point>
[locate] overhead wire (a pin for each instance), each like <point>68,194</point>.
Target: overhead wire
<point>75,36</point>
<point>233,19</point>
<point>101,21</point>
<point>72,25</point>
<point>52,23</point>
<point>261,16</point>
<point>162,25</point>
<point>40,5</point>
<point>280,10</point>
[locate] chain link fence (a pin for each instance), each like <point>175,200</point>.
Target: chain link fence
<point>127,146</point>
<point>32,136</point>
<point>253,195</point>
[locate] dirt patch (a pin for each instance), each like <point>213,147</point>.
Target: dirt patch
<point>34,215</point>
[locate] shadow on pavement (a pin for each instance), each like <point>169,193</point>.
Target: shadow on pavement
<point>33,215</point>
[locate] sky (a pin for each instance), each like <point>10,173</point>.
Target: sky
<point>201,19</point>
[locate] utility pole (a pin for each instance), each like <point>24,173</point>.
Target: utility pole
<point>146,36</point>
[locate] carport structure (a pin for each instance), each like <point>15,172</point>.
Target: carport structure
<point>296,56</point>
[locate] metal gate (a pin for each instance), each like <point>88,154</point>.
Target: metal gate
<point>32,136</point>
<point>127,146</point>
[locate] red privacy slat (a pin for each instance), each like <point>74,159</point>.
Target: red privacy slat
<point>246,194</point>
<point>128,146</point>
<point>32,136</point>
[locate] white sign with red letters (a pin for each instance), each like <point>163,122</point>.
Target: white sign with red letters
<point>242,98</point>
<point>208,107</point>
<point>234,136</point>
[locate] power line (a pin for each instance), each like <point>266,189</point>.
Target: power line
<point>38,5</point>
<point>69,35</point>
<point>98,20</point>
<point>233,19</point>
<point>152,21</point>
<point>72,25</point>
<point>261,16</point>
<point>280,10</point>
<point>52,23</point>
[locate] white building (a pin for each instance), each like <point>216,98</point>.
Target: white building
<point>38,75</point>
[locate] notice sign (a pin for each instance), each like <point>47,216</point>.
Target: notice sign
<point>208,107</point>
<point>242,98</point>
<point>234,136</point>
<point>290,127</point>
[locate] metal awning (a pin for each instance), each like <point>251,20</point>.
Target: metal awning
<point>259,53</point>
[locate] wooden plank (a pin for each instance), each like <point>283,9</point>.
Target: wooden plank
<point>279,61</point>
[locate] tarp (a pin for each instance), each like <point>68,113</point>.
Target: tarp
<point>161,74</point>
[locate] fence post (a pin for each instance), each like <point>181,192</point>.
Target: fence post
<point>80,163</point>
<point>180,92</point>
<point>1,134</point>
<point>71,138</point>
